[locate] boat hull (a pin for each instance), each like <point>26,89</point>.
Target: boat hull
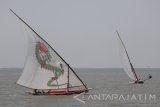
<point>53,92</point>
<point>137,82</point>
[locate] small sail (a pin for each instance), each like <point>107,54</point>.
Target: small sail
<point>45,68</point>
<point>127,66</point>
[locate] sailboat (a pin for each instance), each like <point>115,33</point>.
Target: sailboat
<point>45,71</point>
<point>127,65</point>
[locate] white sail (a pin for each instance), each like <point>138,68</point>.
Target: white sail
<point>74,81</point>
<point>126,61</point>
<point>44,69</point>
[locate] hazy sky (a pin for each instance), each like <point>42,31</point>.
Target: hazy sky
<point>83,31</point>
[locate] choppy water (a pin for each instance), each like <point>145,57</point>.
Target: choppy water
<point>111,88</point>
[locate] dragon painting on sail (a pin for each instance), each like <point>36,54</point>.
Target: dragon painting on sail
<point>44,58</point>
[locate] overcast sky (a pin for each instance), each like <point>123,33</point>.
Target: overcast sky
<point>83,31</point>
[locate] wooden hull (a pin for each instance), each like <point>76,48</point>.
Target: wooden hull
<point>66,92</point>
<point>53,92</point>
<point>137,82</point>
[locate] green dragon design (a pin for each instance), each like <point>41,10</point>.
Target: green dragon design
<point>43,57</point>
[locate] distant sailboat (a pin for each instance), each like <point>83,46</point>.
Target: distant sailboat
<point>127,65</point>
<point>45,71</point>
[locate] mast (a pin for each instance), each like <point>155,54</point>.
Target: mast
<point>133,70</point>
<point>50,47</point>
<point>68,80</point>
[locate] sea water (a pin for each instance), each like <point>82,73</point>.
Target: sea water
<point>111,88</point>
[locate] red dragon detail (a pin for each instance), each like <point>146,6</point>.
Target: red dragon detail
<point>42,47</point>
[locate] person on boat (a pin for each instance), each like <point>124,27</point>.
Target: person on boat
<point>35,92</point>
<point>149,76</point>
